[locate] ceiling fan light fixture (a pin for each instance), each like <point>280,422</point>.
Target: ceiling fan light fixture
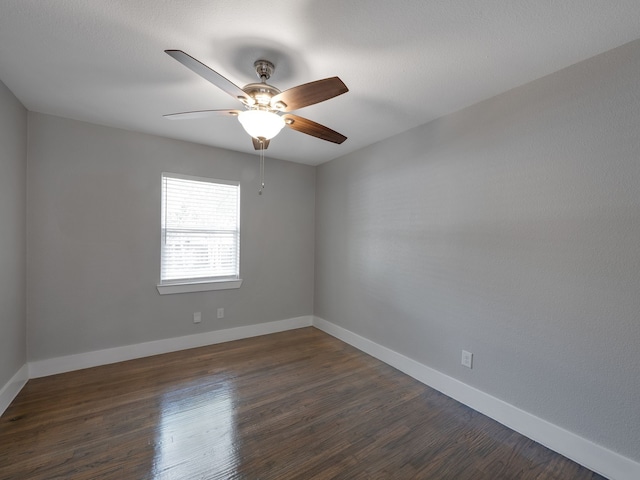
<point>261,123</point>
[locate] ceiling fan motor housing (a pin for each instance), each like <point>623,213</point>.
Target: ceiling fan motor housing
<point>261,93</point>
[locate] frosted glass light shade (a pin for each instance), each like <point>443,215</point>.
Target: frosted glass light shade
<point>261,124</point>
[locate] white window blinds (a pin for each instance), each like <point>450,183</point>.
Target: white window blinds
<point>200,229</point>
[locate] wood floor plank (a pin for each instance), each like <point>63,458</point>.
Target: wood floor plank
<point>292,405</point>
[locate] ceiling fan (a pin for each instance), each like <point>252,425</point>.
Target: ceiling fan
<point>266,109</point>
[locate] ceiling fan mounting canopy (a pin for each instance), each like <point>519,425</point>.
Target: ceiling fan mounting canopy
<point>264,103</point>
<point>264,69</point>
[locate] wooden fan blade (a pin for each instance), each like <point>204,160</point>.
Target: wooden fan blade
<point>257,145</point>
<point>201,114</point>
<point>210,75</point>
<point>312,128</point>
<point>308,94</point>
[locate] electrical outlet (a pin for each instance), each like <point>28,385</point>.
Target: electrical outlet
<point>197,317</point>
<point>467,359</point>
<point>221,313</point>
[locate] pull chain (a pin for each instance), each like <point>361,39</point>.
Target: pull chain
<point>261,167</point>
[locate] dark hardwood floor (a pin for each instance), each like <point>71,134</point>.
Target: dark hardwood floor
<point>293,405</point>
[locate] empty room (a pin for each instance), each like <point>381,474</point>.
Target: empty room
<point>311,239</point>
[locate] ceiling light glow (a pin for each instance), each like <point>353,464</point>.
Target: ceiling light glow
<point>261,124</point>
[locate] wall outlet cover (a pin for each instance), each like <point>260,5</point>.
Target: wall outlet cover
<point>467,359</point>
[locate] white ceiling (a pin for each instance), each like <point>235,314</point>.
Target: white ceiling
<point>405,62</point>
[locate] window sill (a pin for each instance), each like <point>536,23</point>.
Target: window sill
<point>170,289</point>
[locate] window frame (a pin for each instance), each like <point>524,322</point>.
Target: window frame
<point>187,285</point>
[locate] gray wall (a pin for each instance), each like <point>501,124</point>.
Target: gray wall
<point>13,162</point>
<point>510,229</point>
<point>94,239</point>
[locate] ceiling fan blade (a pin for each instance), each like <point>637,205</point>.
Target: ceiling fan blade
<point>312,128</point>
<point>308,94</point>
<point>210,75</point>
<point>201,114</point>
<point>258,146</point>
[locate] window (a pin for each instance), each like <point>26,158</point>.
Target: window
<point>200,234</point>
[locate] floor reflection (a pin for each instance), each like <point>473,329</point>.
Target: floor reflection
<point>196,435</point>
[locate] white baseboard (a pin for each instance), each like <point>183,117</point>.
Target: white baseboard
<point>595,457</point>
<point>52,366</point>
<point>11,389</point>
